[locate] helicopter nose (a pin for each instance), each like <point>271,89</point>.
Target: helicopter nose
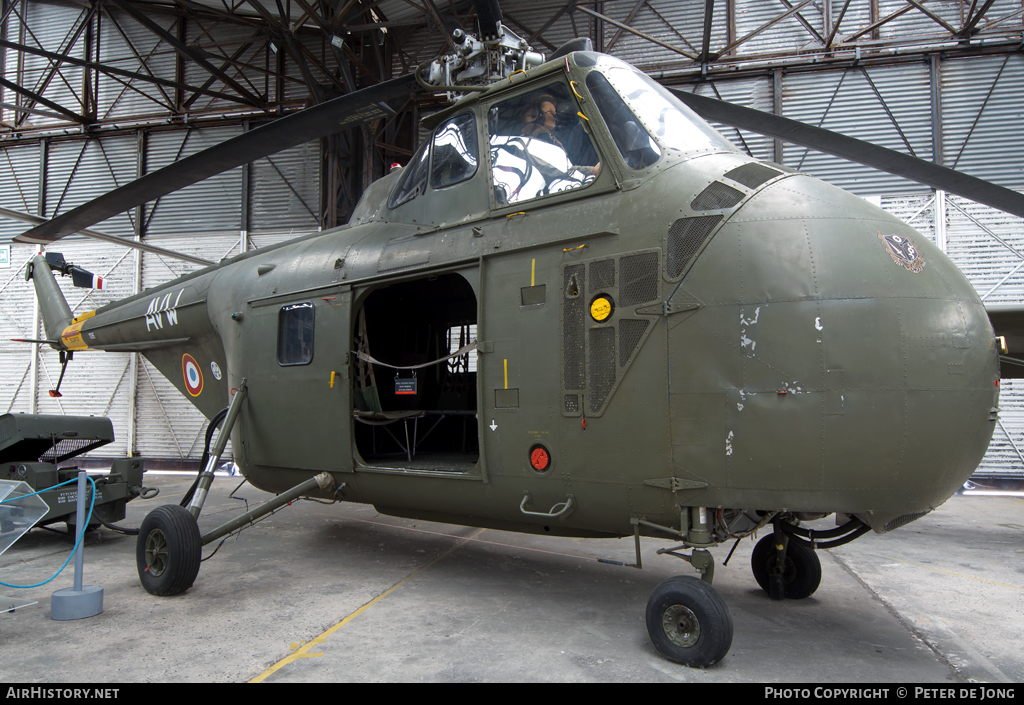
<point>847,363</point>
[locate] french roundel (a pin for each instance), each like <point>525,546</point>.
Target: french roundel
<point>193,375</point>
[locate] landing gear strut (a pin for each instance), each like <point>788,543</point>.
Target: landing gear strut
<point>170,545</point>
<point>687,620</point>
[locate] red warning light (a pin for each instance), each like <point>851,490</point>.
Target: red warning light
<point>540,459</point>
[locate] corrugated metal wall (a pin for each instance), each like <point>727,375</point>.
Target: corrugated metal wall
<point>17,306</point>
<point>134,98</point>
<point>208,207</point>
<point>203,220</point>
<point>889,106</point>
<point>980,112</point>
<point>53,27</point>
<point>285,192</point>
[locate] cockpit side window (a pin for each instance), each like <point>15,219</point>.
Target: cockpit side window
<point>414,181</point>
<point>455,151</point>
<point>539,146</point>
<point>637,148</point>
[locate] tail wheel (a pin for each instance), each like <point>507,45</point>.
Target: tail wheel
<point>801,573</point>
<point>689,622</point>
<point>168,550</point>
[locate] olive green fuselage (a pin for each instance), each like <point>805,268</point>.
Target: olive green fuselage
<point>787,346</point>
<point>798,366</point>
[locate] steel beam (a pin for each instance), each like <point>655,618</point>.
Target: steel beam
<point>69,41</point>
<point>188,52</point>
<point>705,50</point>
<point>807,25</point>
<point>640,34</point>
<point>968,29</point>
<point>835,27</point>
<point>114,71</point>
<point>36,98</point>
<point>765,26</point>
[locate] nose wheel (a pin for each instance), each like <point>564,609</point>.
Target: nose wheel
<point>795,571</point>
<point>689,622</point>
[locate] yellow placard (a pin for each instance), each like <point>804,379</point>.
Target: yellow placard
<point>601,308</point>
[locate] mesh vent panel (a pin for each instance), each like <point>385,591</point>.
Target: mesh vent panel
<point>638,278</point>
<point>68,448</point>
<point>602,366</point>
<point>602,274</point>
<point>573,310</point>
<point>630,332</point>
<point>752,175</point>
<point>684,239</point>
<point>716,196</point>
<point>903,521</point>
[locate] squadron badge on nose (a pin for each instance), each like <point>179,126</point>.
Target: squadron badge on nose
<point>903,251</point>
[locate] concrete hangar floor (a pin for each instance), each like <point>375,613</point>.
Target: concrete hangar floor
<point>340,593</point>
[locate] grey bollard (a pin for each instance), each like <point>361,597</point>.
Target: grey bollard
<point>79,601</point>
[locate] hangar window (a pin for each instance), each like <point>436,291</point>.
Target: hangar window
<point>295,334</point>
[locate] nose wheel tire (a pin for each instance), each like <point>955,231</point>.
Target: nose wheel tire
<point>168,550</point>
<point>689,622</point>
<point>801,573</point>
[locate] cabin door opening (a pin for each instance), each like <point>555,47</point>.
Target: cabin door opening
<point>414,392</point>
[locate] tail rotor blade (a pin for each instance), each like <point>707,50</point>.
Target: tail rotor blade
<point>84,279</point>
<point>79,277</point>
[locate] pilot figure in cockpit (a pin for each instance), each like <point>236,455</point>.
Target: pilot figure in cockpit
<point>539,119</point>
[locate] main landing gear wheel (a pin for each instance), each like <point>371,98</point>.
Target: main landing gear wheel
<point>689,622</point>
<point>801,573</point>
<point>168,550</point>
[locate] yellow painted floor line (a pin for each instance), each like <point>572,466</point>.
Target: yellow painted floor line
<point>304,650</point>
<point>959,575</point>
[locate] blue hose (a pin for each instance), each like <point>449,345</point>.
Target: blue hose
<point>92,502</point>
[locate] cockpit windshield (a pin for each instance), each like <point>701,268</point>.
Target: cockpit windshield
<point>637,147</point>
<point>661,114</point>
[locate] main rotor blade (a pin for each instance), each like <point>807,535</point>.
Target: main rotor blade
<point>488,13</point>
<point>35,219</point>
<point>295,129</point>
<point>856,150</point>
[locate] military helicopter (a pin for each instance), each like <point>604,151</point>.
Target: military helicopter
<point>578,311</point>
